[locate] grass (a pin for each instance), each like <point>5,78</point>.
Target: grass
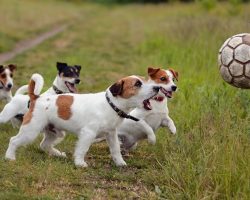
<point>209,156</point>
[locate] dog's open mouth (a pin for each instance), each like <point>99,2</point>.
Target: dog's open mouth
<point>147,104</point>
<point>71,87</point>
<point>168,94</point>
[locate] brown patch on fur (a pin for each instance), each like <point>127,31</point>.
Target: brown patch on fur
<point>3,78</point>
<point>1,68</point>
<point>246,39</point>
<point>31,91</point>
<point>12,67</point>
<point>126,87</point>
<point>3,75</point>
<point>116,89</point>
<point>152,71</point>
<point>129,89</point>
<point>175,73</point>
<point>159,75</point>
<point>28,116</point>
<point>64,103</point>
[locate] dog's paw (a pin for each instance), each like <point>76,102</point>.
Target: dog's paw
<point>172,128</point>
<point>120,163</point>
<point>63,155</point>
<point>80,163</point>
<point>152,139</point>
<point>10,157</point>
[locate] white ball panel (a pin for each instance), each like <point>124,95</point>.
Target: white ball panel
<point>226,56</point>
<point>235,41</point>
<point>225,74</point>
<point>242,53</point>
<point>236,69</point>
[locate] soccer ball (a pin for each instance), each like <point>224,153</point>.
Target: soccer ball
<point>234,60</point>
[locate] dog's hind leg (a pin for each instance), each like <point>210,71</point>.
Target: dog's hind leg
<point>115,150</point>
<point>26,135</point>
<point>51,138</point>
<point>86,138</point>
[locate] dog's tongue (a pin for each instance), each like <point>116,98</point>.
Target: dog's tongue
<point>167,93</point>
<point>159,98</point>
<point>147,104</point>
<point>71,87</point>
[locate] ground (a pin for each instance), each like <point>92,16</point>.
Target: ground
<point>209,156</point>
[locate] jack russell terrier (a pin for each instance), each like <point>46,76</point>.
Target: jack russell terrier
<point>64,82</point>
<point>154,113</point>
<point>87,115</point>
<point>6,81</point>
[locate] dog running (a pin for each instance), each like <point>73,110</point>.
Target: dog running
<point>155,113</point>
<point>65,81</point>
<point>87,115</point>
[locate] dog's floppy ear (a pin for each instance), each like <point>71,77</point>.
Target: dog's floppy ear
<point>152,71</point>
<point>116,89</point>
<point>1,68</point>
<point>78,67</point>
<point>175,73</point>
<point>60,66</point>
<point>12,67</point>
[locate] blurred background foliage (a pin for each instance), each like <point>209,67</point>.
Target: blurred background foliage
<point>205,2</point>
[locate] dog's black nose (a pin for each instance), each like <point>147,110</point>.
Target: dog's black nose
<point>156,88</point>
<point>9,86</point>
<point>173,88</point>
<point>77,81</point>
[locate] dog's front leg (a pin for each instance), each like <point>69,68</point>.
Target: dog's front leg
<point>148,131</point>
<point>114,147</point>
<point>86,138</point>
<point>168,122</point>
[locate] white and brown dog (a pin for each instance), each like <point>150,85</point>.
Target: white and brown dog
<point>155,113</point>
<point>65,81</point>
<point>6,81</point>
<point>87,115</point>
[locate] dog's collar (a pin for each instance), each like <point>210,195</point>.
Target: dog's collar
<point>121,113</point>
<point>57,91</point>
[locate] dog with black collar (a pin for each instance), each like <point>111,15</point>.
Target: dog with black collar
<point>65,82</point>
<point>6,81</point>
<point>89,116</point>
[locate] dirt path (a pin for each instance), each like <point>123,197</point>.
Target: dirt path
<point>28,44</point>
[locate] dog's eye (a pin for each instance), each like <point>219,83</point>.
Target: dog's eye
<point>138,84</point>
<point>163,78</point>
<point>11,75</point>
<point>173,79</point>
<point>67,74</point>
<point>3,75</point>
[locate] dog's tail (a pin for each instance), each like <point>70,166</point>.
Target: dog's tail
<point>35,86</point>
<point>22,90</point>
